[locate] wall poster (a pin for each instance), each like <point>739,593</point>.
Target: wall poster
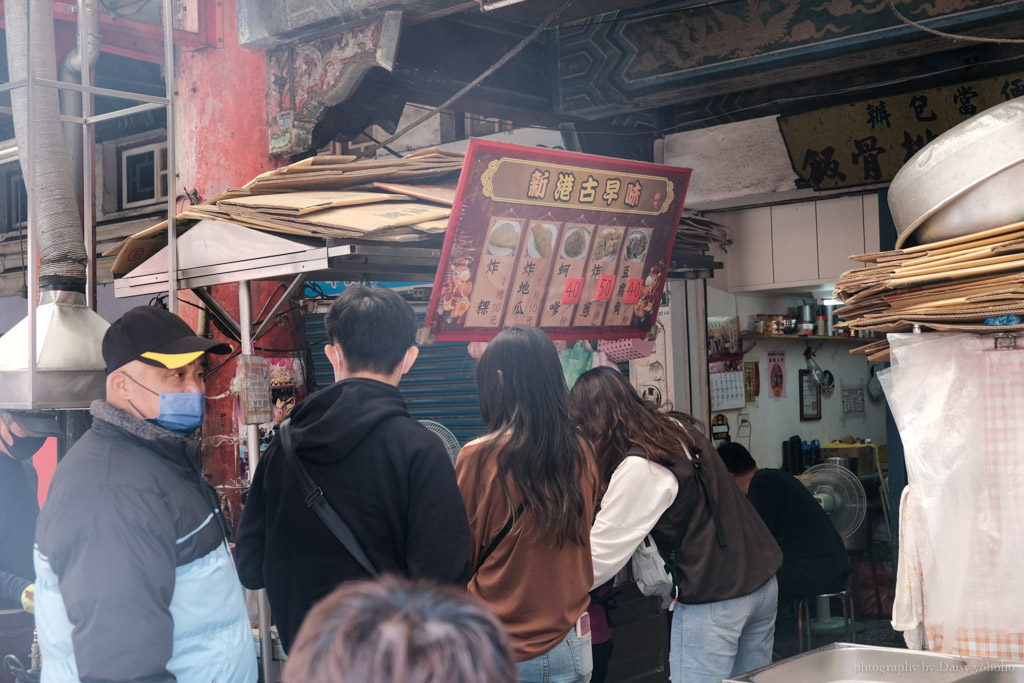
<point>777,374</point>
<point>578,245</point>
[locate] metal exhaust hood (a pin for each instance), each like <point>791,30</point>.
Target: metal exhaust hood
<point>70,372</point>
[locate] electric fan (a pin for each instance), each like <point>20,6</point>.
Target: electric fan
<point>451,444</point>
<point>842,497</point>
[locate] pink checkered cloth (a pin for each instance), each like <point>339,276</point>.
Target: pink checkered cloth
<point>979,483</point>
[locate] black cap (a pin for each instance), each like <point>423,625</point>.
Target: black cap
<point>155,337</point>
<point>33,424</point>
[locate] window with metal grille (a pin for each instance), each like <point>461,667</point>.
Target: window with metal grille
<point>143,175</point>
<point>17,201</point>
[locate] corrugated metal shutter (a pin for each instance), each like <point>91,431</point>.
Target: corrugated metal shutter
<point>441,385</point>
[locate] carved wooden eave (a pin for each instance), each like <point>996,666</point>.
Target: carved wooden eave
<point>304,78</point>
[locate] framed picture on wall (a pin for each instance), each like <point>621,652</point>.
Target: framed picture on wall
<point>810,397</point>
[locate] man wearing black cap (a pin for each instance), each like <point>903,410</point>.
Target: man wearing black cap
<point>21,436</point>
<point>134,579</point>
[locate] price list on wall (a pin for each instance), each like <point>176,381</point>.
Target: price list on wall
<point>575,244</point>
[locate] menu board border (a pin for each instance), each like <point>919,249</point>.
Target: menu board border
<point>555,157</point>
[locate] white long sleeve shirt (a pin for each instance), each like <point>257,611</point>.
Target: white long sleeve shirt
<point>638,494</point>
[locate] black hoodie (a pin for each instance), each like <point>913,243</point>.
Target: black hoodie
<point>388,477</point>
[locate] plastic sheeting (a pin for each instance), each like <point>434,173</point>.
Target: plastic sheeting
<point>958,406</point>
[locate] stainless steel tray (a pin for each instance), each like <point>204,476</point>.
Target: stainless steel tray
<point>844,662</point>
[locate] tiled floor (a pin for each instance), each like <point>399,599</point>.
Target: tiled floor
<point>869,632</point>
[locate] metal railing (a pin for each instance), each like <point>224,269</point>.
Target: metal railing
<point>146,102</point>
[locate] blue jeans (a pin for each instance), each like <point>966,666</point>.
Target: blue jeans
<point>718,640</point>
<point>571,661</point>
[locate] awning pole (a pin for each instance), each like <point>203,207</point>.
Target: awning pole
<point>172,195</point>
<point>88,191</point>
<point>252,445</point>
<point>32,213</point>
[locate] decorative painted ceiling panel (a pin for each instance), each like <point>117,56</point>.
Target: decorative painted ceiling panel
<point>621,62</point>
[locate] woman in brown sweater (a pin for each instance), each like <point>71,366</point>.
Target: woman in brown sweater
<point>529,488</point>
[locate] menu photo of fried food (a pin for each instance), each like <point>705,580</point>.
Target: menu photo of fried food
<point>541,242</point>
<point>504,238</point>
<point>636,245</point>
<point>574,247</point>
<point>606,246</point>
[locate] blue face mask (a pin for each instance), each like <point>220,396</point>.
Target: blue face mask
<point>181,413</point>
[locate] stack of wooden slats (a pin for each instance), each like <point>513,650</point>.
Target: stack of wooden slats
<point>328,197</point>
<point>955,284</point>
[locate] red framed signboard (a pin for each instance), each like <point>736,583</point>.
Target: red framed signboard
<point>578,245</point>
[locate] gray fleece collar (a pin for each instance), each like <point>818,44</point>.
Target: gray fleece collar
<point>144,429</point>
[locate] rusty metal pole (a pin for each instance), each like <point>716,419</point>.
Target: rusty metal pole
<point>252,444</point>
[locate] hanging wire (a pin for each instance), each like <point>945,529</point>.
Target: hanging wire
<point>952,36</point>
<point>476,81</point>
<point>773,105</point>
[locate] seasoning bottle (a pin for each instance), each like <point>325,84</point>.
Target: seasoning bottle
<point>819,326</point>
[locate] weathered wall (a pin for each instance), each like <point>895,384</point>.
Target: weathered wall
<point>223,141</point>
<point>222,133</point>
<point>734,161</point>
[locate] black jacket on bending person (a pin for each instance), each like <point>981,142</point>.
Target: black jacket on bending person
<point>388,477</point>
<point>814,557</point>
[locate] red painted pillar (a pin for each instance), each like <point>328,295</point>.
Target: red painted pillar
<point>222,134</point>
<point>223,141</point>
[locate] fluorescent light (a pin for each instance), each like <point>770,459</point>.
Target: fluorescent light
<point>831,302</point>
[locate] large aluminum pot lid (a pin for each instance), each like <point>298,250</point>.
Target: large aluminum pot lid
<point>954,162</point>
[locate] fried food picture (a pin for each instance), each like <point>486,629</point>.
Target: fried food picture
<point>505,236</point>
<point>636,246</point>
<point>575,243</point>
<point>541,240</point>
<point>607,245</point>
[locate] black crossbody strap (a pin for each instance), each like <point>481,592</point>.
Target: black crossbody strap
<point>314,498</point>
<point>716,518</point>
<point>500,536</point>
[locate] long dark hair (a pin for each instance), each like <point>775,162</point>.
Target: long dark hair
<point>615,420</point>
<point>524,401</point>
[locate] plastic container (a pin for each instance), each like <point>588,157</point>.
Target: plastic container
<point>622,350</point>
<point>819,326</point>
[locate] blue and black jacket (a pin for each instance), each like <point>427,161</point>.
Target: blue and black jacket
<point>134,579</point>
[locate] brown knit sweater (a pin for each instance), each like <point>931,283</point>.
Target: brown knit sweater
<point>537,590</point>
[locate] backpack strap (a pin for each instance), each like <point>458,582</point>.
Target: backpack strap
<point>314,498</point>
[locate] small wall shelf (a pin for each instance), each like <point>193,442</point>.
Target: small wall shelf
<point>806,337</point>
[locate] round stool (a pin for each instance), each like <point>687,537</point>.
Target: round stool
<point>803,620</point>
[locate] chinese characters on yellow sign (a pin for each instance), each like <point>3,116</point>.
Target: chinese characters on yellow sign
<point>575,244</point>
<point>520,181</point>
<point>868,142</point>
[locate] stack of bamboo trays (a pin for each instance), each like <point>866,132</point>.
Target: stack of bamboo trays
<point>956,284</point>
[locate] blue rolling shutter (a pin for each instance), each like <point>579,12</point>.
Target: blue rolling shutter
<point>441,385</point>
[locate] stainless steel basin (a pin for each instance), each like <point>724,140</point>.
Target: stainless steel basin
<point>1006,673</point>
<point>843,663</point>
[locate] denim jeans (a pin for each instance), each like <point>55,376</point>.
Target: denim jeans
<point>717,640</point>
<point>571,661</point>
